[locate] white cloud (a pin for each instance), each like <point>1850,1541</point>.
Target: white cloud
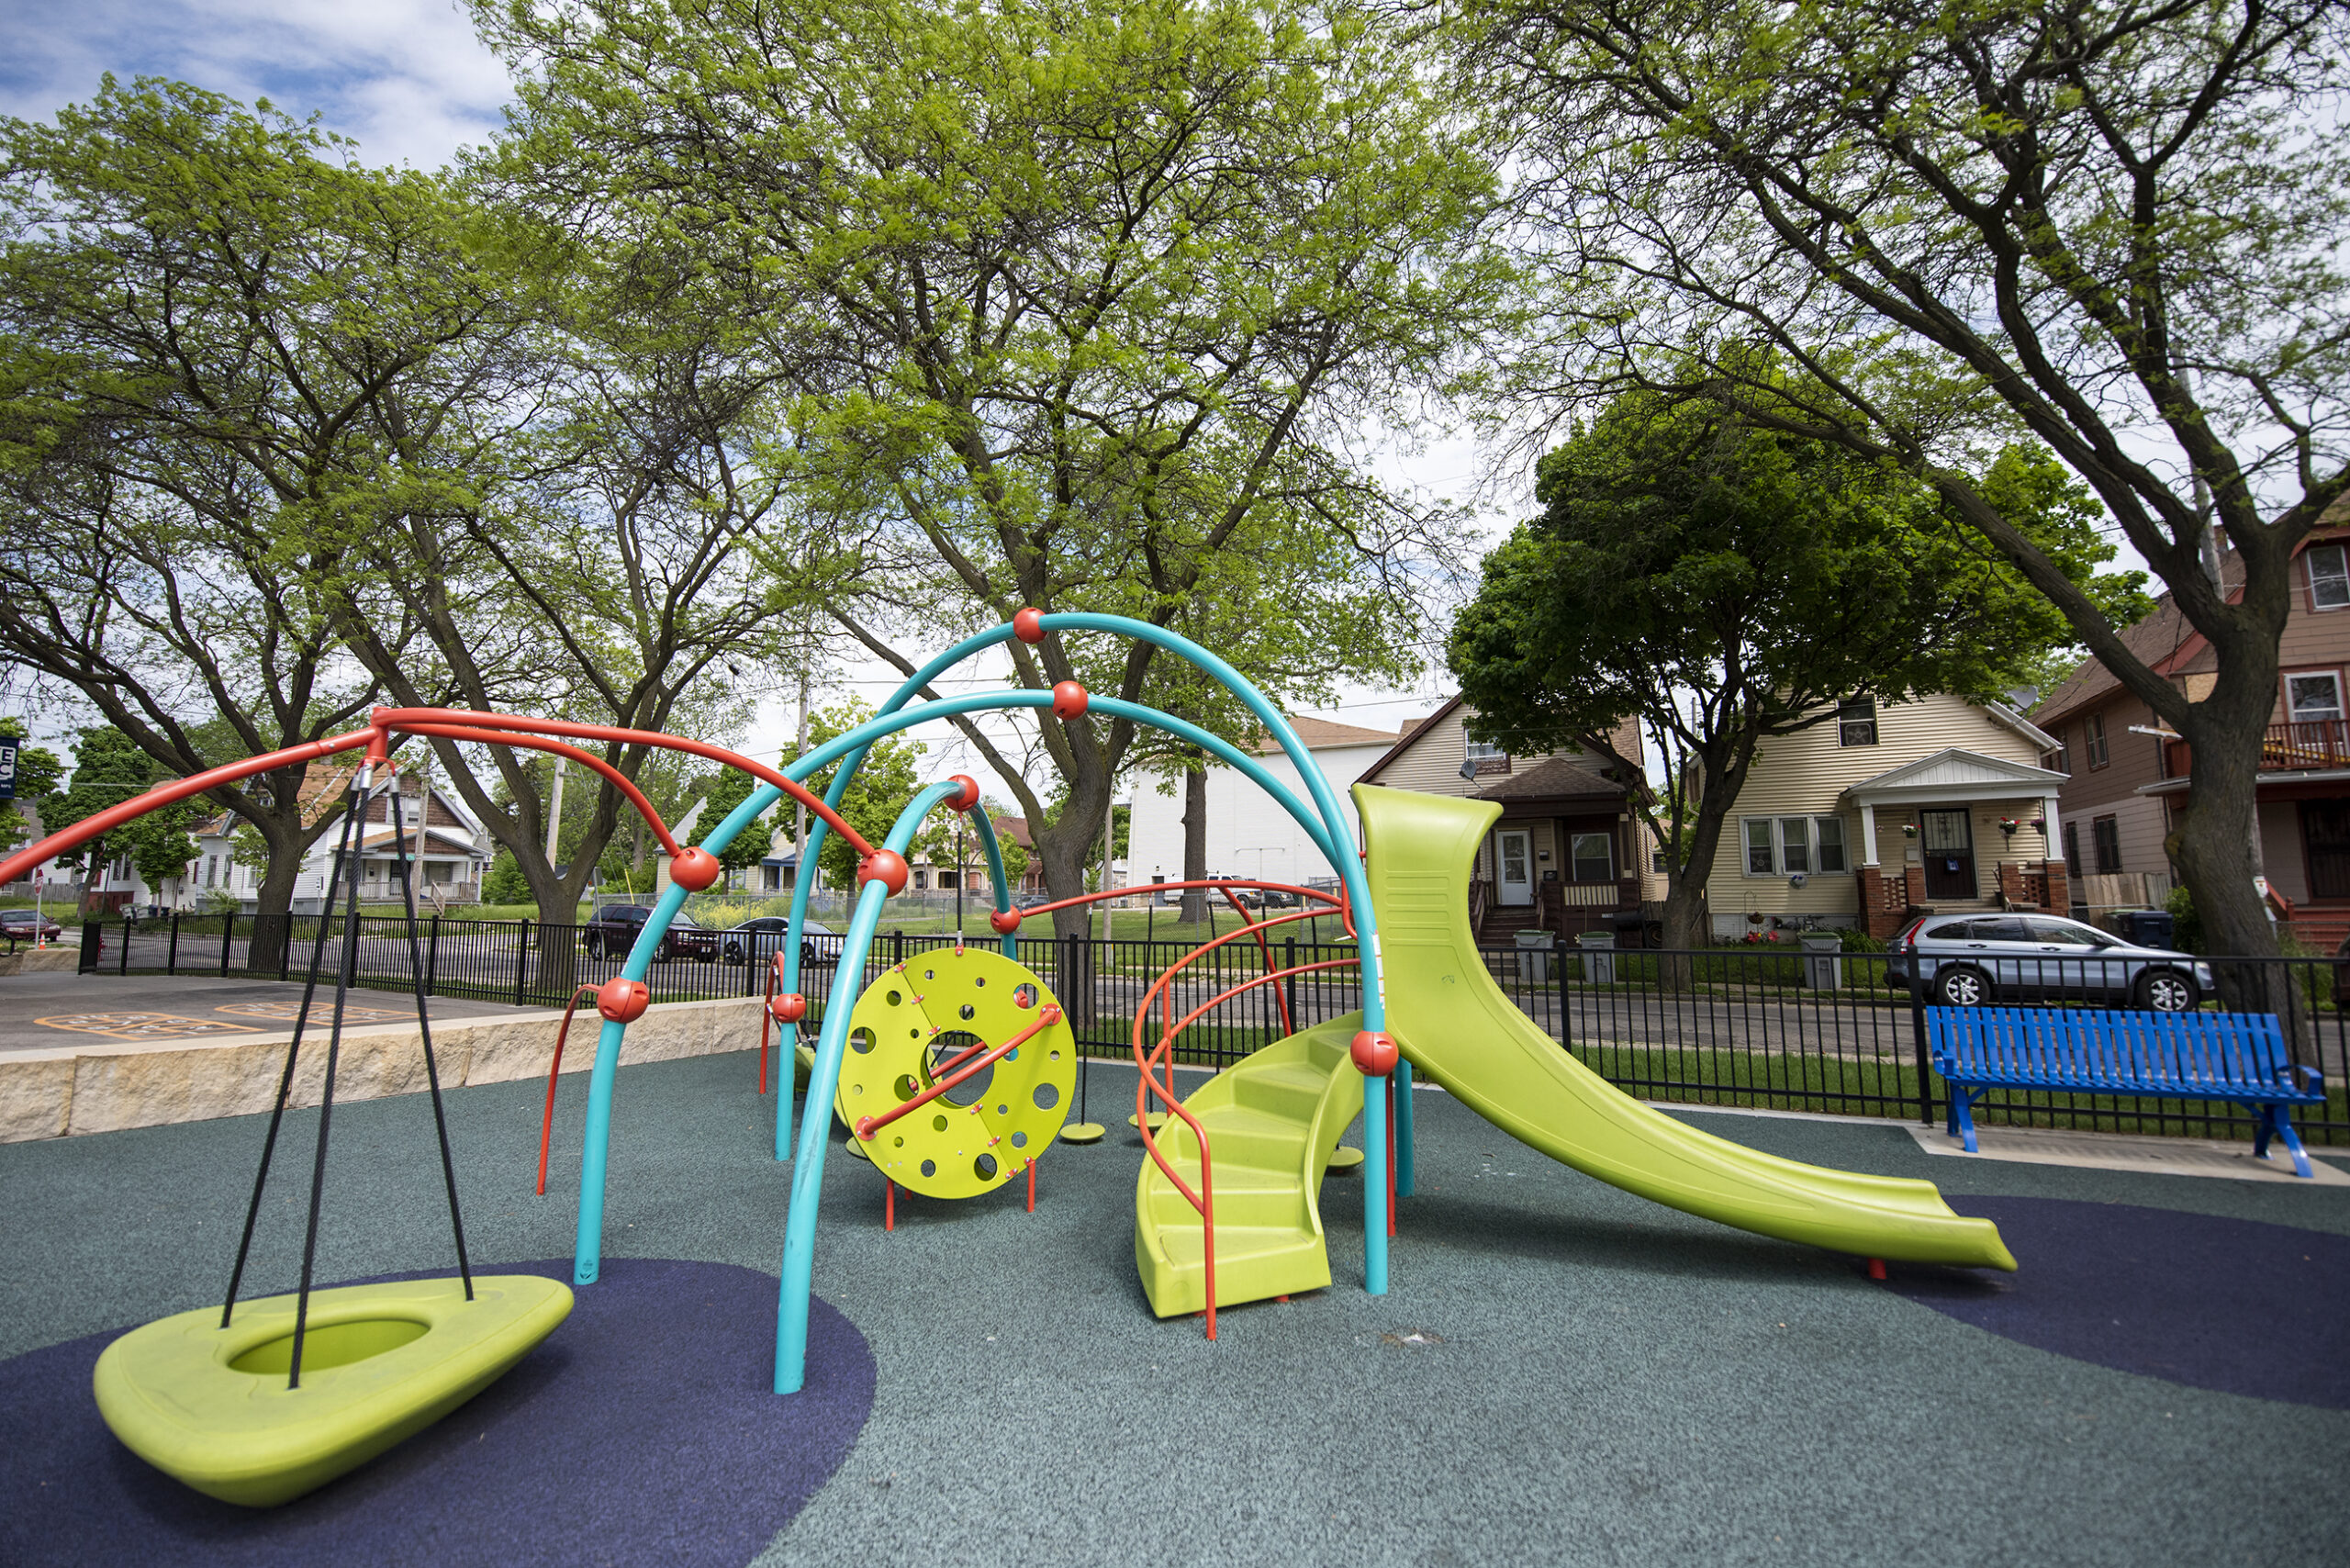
<point>406,79</point>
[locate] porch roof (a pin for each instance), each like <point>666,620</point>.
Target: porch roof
<point>1956,774</point>
<point>1555,778</point>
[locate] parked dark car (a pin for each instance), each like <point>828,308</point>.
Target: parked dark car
<point>613,929</point>
<point>25,926</point>
<point>1976,959</point>
<point>755,941</point>
<point>1280,898</point>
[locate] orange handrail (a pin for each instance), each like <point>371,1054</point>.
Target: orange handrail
<point>1204,1201</point>
<point>555,1068</point>
<point>867,1126</point>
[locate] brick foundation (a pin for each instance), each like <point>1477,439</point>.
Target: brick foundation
<point>1885,902</point>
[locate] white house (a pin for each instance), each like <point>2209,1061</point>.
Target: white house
<point>1248,833</point>
<point>453,857</point>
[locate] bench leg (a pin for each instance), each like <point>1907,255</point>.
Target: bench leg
<point>1962,1111</point>
<point>2292,1141</point>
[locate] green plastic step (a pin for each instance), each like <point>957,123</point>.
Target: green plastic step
<point>1271,1122</point>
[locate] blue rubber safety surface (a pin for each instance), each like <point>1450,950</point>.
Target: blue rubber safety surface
<point>644,1429</point>
<point>2230,1305</point>
<point>1562,1372</point>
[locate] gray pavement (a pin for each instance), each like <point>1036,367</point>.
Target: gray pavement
<point>48,1012</point>
<point>1561,1373</point>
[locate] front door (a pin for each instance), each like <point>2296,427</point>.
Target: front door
<point>1516,856</point>
<point>2325,834</point>
<point>1947,840</point>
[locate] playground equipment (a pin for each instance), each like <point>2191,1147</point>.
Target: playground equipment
<point>899,1096</point>
<point>1265,1129</point>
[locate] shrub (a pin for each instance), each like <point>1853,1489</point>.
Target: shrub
<point>503,883</point>
<point>2187,929</point>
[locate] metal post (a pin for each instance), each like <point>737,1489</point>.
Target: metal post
<point>521,960</point>
<point>122,966</point>
<point>432,950</point>
<point>1289,985</point>
<point>94,941</point>
<point>172,954</point>
<point>1918,1031</point>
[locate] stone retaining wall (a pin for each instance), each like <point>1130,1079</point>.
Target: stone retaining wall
<point>101,1088</point>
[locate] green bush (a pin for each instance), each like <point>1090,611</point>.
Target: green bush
<point>503,883</point>
<point>2187,930</point>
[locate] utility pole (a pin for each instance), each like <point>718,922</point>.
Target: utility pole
<point>800,808</point>
<point>1109,844</point>
<point>554,811</point>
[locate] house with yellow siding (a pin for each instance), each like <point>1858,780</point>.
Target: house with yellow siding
<point>1938,804</point>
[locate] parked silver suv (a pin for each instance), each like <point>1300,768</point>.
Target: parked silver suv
<point>1974,961</point>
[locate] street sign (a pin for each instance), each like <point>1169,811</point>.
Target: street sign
<point>7,768</point>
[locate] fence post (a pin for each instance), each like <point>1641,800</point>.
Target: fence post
<point>122,966</point>
<point>898,949</point>
<point>1289,984</point>
<point>93,942</point>
<point>1917,1032</point>
<point>432,955</point>
<point>171,953</point>
<point>521,960</point>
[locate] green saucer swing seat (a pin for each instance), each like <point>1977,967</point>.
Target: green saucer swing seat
<point>209,1407</point>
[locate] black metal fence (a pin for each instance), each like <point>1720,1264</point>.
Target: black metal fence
<point>1841,1032</point>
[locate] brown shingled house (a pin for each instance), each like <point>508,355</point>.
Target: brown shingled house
<point>2129,773</point>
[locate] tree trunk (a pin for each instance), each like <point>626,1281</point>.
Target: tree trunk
<point>1195,844</point>
<point>273,900</point>
<point>1684,899</point>
<point>1062,852</point>
<point>2213,847</point>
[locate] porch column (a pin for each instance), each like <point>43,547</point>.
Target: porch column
<point>2055,843</point>
<point>1868,833</point>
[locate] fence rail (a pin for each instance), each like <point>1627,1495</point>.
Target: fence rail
<point>1840,1032</point>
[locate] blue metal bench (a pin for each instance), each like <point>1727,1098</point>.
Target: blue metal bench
<point>2236,1057</point>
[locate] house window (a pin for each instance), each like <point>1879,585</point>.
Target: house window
<point>2106,833</point>
<point>1781,846</point>
<point>1593,856</point>
<point>2071,845</point>
<point>922,877</point>
<point>2093,740</point>
<point>1856,721</point>
<point>2313,699</point>
<point>211,869</point>
<point>2061,759</point>
<point>2329,577</point>
<point>1485,756</point>
<point>1657,863</point>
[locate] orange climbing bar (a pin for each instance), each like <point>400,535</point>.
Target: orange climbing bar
<point>867,1126</point>
<point>555,1068</point>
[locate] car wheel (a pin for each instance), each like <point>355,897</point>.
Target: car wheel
<point>2165,990</point>
<point>665,952</point>
<point>735,953</point>
<point>595,946</point>
<point>1962,987</point>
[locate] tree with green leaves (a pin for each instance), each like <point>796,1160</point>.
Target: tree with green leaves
<point>887,783</point>
<point>109,769</point>
<point>2115,228</point>
<point>1092,302</point>
<point>1715,583</point>
<point>194,320</point>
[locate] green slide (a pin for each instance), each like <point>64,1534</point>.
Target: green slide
<point>1455,1024</point>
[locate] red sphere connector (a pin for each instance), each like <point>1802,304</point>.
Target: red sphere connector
<point>1069,700</point>
<point>886,867</point>
<point>1375,1054</point>
<point>621,999</point>
<point>1028,625</point>
<point>695,870</point>
<point>1005,921</point>
<point>970,795</point>
<point>790,1007</point>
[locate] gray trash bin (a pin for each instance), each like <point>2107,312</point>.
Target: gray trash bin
<point>1598,957</point>
<point>1534,956</point>
<point>1822,969</point>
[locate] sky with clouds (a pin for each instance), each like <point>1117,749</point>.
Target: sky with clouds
<point>412,84</point>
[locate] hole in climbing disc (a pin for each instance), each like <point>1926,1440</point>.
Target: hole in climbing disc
<point>857,1089</point>
<point>913,1034</point>
<point>1046,1096</point>
<point>985,1166</point>
<point>895,998</point>
<point>930,974</point>
<point>968,1011</point>
<point>938,1123</point>
<point>900,1143</point>
<point>930,1168</point>
<point>1002,1111</point>
<point>979,980</point>
<point>1024,996</point>
<point>331,1345</point>
<point>906,1086</point>
<point>1019,1140</point>
<point>860,1041</point>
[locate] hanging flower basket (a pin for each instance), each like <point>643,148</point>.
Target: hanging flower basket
<point>2040,824</point>
<point>1908,830</point>
<point>2008,825</point>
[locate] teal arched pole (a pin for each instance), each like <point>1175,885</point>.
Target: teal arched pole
<point>823,1082</point>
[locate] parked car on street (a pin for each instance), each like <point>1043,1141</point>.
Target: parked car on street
<point>1976,959</point>
<point>26,926</point>
<point>757,940</point>
<point>613,929</point>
